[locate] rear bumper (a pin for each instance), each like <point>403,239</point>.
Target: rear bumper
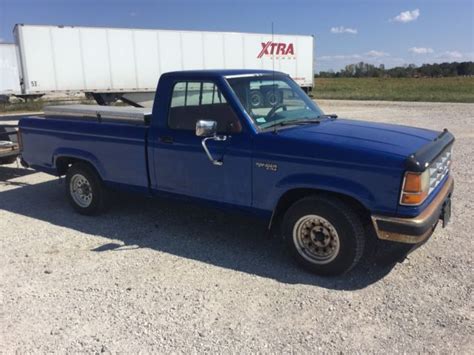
<point>417,229</point>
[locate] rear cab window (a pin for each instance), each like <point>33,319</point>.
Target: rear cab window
<point>192,101</point>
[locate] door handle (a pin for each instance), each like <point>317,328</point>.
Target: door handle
<point>166,139</point>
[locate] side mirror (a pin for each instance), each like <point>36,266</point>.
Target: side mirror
<point>206,128</point>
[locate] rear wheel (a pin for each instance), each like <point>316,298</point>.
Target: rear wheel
<point>85,190</point>
<point>324,235</point>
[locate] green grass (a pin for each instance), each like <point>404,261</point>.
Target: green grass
<point>36,105</point>
<point>30,106</point>
<point>456,89</point>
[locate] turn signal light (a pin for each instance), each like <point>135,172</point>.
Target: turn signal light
<point>415,188</point>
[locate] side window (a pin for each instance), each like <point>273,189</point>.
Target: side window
<point>192,101</point>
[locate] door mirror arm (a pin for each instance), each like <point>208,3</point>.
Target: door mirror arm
<point>208,153</point>
<point>208,130</point>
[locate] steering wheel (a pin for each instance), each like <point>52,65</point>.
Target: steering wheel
<point>274,109</point>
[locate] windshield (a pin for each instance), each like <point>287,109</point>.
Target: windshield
<point>274,101</point>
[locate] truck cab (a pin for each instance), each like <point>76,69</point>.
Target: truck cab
<point>253,140</point>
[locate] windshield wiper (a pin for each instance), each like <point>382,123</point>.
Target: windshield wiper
<point>332,115</point>
<point>299,122</point>
<point>294,123</point>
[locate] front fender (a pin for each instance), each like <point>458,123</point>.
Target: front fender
<point>81,155</point>
<point>325,183</point>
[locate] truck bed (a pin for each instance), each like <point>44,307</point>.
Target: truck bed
<point>112,141</point>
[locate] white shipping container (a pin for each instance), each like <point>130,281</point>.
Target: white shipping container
<point>64,58</point>
<point>9,75</point>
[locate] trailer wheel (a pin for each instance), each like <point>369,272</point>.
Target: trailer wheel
<point>324,235</point>
<point>85,190</point>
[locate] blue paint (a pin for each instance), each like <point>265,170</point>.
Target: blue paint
<point>359,159</point>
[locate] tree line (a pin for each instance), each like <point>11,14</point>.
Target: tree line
<point>366,70</point>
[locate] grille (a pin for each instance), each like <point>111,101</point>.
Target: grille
<point>440,168</point>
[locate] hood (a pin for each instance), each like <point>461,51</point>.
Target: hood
<point>362,135</point>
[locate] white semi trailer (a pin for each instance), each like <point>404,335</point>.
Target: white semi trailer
<point>115,62</point>
<point>9,72</point>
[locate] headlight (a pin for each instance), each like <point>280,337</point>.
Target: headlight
<point>415,188</point>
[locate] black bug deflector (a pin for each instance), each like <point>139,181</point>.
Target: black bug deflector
<point>420,160</point>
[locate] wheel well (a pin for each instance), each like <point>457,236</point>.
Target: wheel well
<point>64,163</point>
<point>291,196</point>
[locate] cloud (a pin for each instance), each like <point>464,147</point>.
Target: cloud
<point>2,39</point>
<point>342,29</point>
<point>373,54</point>
<point>450,55</point>
<point>421,50</point>
<point>340,57</point>
<point>376,54</point>
<point>407,16</point>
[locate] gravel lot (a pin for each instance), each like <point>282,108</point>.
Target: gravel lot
<point>154,275</point>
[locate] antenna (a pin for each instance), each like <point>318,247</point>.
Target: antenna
<point>273,53</point>
<point>273,65</point>
<point>273,74</point>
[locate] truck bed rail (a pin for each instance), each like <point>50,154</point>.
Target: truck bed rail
<point>124,114</point>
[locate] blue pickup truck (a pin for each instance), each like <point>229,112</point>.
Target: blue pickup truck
<point>253,140</point>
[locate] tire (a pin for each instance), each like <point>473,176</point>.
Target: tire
<point>324,235</point>
<point>85,190</point>
<point>256,99</point>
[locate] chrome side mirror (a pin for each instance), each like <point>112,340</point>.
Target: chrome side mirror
<point>206,128</point>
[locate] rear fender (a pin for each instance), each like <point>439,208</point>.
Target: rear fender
<point>80,155</point>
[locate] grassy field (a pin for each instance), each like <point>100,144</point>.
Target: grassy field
<point>456,89</point>
<point>21,106</point>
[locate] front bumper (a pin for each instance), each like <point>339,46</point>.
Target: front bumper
<point>417,229</point>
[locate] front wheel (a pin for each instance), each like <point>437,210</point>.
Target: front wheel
<point>324,235</point>
<point>85,190</point>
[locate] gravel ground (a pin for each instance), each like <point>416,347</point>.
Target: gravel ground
<point>154,275</point>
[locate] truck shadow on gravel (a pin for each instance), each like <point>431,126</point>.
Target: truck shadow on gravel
<point>222,239</point>
<point>12,172</point>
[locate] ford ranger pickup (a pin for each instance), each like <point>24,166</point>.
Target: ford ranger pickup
<point>252,140</point>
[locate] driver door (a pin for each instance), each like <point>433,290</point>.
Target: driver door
<point>180,162</point>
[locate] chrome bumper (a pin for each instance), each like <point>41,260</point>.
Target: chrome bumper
<point>417,229</point>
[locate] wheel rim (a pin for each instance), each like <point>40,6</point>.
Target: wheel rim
<point>81,190</point>
<point>316,239</point>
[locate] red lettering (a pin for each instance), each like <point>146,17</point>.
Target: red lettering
<point>281,48</point>
<point>271,48</point>
<point>264,49</point>
<point>273,45</point>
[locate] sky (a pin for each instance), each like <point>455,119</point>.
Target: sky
<point>392,32</point>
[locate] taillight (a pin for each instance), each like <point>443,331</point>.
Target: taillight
<point>415,188</point>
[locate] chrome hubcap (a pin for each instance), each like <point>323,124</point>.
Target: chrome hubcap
<point>81,190</point>
<point>316,239</point>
